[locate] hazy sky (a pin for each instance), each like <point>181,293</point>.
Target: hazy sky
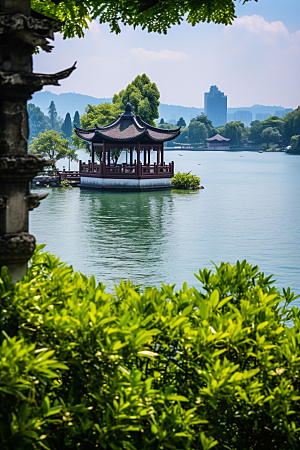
<point>256,60</point>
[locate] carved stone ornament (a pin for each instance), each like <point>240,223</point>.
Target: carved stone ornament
<point>12,166</point>
<point>16,247</point>
<point>20,21</point>
<point>33,200</point>
<point>3,201</point>
<point>33,80</point>
<point>32,30</point>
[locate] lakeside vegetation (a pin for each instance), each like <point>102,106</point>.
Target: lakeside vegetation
<point>185,181</point>
<point>273,133</point>
<point>212,366</point>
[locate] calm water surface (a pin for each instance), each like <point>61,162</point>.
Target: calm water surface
<point>249,209</point>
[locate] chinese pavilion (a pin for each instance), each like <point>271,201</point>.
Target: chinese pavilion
<point>218,142</point>
<point>130,133</point>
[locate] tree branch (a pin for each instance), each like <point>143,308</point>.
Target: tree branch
<point>144,4</point>
<point>147,4</point>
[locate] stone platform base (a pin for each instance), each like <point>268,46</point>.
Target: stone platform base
<point>129,184</point>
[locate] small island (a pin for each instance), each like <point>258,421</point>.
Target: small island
<point>129,133</point>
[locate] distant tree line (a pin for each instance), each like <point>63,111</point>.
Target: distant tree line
<point>271,133</point>
<point>50,135</point>
<point>40,122</point>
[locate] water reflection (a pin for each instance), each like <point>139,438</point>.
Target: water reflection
<point>125,231</point>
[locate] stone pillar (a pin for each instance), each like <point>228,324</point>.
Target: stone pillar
<point>21,30</point>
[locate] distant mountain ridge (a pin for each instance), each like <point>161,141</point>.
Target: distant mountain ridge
<point>72,102</point>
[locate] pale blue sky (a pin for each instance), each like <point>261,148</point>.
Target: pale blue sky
<point>256,60</point>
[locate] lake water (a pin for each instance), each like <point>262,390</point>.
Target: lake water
<point>249,209</point>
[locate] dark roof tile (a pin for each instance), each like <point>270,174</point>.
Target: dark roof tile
<point>127,127</point>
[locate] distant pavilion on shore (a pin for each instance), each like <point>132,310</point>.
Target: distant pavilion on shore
<point>129,133</point>
<point>218,142</point>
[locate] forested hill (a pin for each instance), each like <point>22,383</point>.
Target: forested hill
<point>71,102</point>
<point>66,103</point>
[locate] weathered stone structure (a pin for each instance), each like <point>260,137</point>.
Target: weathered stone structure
<point>21,31</point>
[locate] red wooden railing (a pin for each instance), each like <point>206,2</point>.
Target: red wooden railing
<point>126,170</point>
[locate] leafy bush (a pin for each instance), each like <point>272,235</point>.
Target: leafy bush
<point>65,184</point>
<point>185,181</point>
<point>295,145</point>
<point>194,369</point>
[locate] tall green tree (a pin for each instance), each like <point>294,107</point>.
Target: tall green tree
<point>256,129</point>
<point>52,146</point>
<point>295,145</point>
<point>66,127</point>
<point>270,135</point>
<point>181,122</point>
<point>291,125</point>
<point>143,95</point>
<point>38,121</point>
<point>233,131</point>
<point>76,119</point>
<point>202,118</point>
<point>52,113</point>
<point>274,122</point>
<point>197,132</point>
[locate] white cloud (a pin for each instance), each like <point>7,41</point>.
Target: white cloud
<point>94,27</point>
<point>163,55</point>
<point>257,25</point>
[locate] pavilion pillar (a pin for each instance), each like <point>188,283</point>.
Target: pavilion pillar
<point>162,153</point>
<point>145,156</point>
<point>131,157</point>
<point>157,157</point>
<point>138,151</point>
<point>93,153</point>
<point>138,162</point>
<point>104,158</point>
<point>108,157</point>
<point>149,157</point>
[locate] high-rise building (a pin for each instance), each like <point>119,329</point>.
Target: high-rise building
<point>244,116</point>
<point>283,112</point>
<point>262,116</point>
<point>215,106</point>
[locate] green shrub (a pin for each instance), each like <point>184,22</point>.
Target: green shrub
<point>185,181</point>
<point>295,145</point>
<point>65,184</point>
<point>193,369</point>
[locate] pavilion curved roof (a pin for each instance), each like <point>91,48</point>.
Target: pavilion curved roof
<point>127,127</point>
<point>217,138</point>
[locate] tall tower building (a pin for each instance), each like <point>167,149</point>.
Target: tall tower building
<point>215,106</point>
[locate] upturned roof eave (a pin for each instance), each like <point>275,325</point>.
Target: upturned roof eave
<point>165,140</point>
<point>160,130</point>
<point>127,121</point>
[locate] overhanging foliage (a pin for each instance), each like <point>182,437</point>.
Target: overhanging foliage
<point>152,15</point>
